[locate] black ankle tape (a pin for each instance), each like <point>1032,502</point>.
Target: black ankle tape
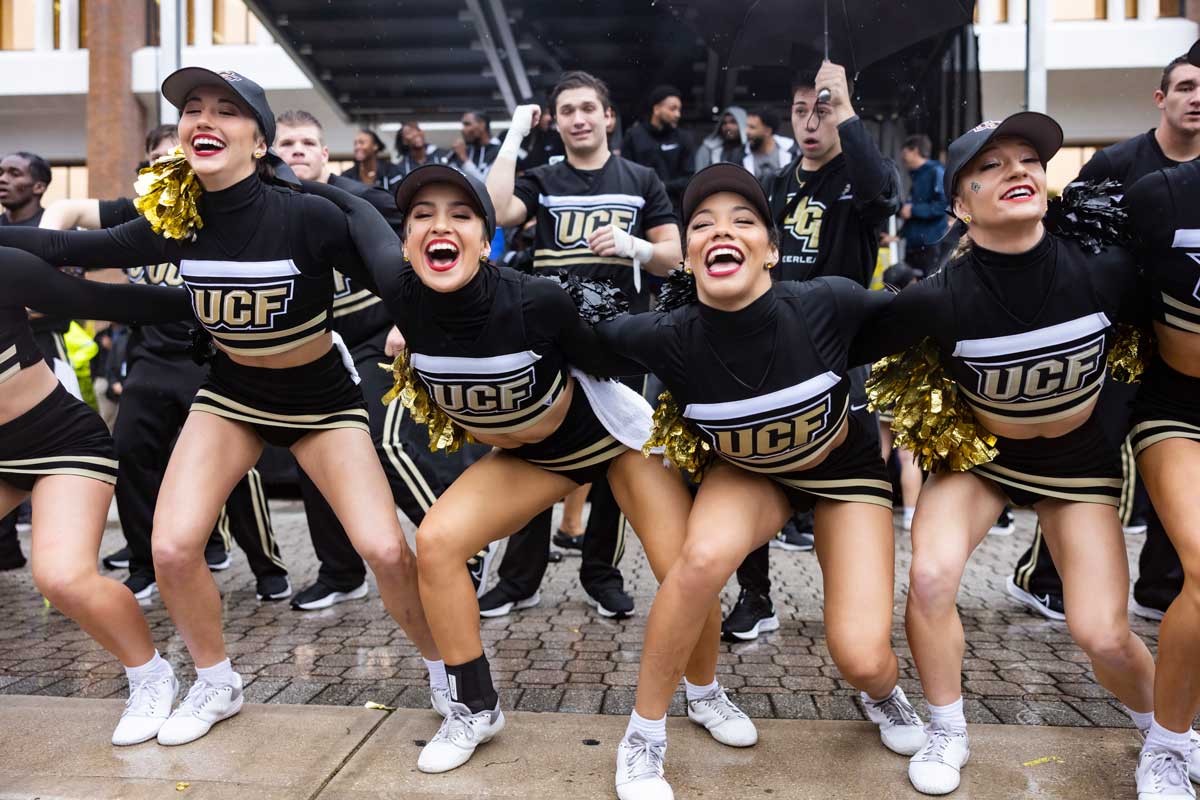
<point>471,685</point>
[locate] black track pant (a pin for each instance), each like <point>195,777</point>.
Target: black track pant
<point>415,475</point>
<point>158,391</point>
<point>1160,573</point>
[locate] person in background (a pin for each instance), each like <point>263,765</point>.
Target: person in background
<point>727,144</point>
<point>414,151</point>
<point>371,164</point>
<point>769,152</point>
<point>476,150</point>
<point>924,213</point>
<point>659,144</point>
<point>543,145</point>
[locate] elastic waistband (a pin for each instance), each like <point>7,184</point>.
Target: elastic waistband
<point>1086,434</point>
<point>304,374</point>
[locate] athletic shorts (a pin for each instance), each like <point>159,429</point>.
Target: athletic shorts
<point>1167,407</point>
<point>1083,466</point>
<point>581,448</point>
<point>284,405</point>
<point>853,473</point>
<point>59,436</point>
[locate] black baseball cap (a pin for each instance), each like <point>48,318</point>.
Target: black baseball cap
<point>725,178</point>
<point>1193,55</point>
<point>1039,130</point>
<point>428,174</point>
<point>179,85</point>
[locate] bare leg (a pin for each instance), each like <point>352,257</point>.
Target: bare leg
<point>211,456</point>
<point>572,517</point>
<point>1089,550</point>
<point>657,505</point>
<point>734,513</point>
<point>953,516</point>
<point>1171,470</point>
<point>343,465</point>
<point>68,521</point>
<point>910,478</point>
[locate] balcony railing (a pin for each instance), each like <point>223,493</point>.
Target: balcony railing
<point>990,12</point>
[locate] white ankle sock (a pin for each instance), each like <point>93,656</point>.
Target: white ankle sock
<point>1159,738</point>
<point>437,674</point>
<point>652,730</point>
<point>908,515</point>
<point>1142,719</point>
<point>866,698</point>
<point>152,667</point>
<point>948,717</point>
<point>696,692</point>
<point>219,674</point>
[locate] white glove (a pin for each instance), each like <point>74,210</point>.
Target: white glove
<point>347,359</point>
<point>630,246</point>
<point>523,120</point>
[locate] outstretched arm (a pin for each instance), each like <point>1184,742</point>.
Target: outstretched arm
<point>134,244</point>
<point>502,177</point>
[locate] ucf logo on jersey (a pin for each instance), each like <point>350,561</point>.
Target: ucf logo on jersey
<point>498,395</point>
<point>804,224</point>
<point>574,224</point>
<point>341,286</point>
<point>1039,377</point>
<point>240,306</point>
<point>156,275</point>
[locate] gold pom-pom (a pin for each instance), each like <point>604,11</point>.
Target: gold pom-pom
<point>444,433</point>
<point>168,197</point>
<point>1131,351</point>
<point>681,442</point>
<point>930,417</point>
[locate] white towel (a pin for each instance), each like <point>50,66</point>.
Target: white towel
<point>347,359</point>
<point>623,412</point>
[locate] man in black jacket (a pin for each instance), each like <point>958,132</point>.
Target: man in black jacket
<point>831,204</point>
<point>660,145</point>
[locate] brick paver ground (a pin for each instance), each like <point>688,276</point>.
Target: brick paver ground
<point>562,656</point>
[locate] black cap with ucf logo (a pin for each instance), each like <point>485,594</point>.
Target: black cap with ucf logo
<point>1039,130</point>
<point>1193,55</point>
<point>180,84</point>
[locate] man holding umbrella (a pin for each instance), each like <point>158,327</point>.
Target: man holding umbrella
<point>831,204</point>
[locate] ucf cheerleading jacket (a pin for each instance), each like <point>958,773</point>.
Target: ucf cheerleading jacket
<point>1162,208</point>
<point>1025,336</point>
<point>259,272</point>
<point>26,280</point>
<point>830,220</point>
<point>765,385</point>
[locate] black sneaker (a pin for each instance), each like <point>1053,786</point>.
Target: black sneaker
<point>1049,606</point>
<point>117,560</point>
<point>555,556</point>
<point>479,564</point>
<point>1152,604</point>
<point>11,556</point>
<point>321,596</point>
<point>217,558</point>
<point>274,587</point>
<point>793,539</point>
<point>1005,524</point>
<point>751,615</point>
<point>568,542</point>
<point>142,586</point>
<point>25,517</point>
<point>496,603</point>
<point>612,602</point>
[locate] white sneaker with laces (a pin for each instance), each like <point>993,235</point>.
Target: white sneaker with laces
<point>440,699</point>
<point>147,709</point>
<point>900,728</point>
<point>460,734</point>
<point>640,770</point>
<point>205,705</point>
<point>727,723</point>
<point>937,767</point>
<point>1163,774</point>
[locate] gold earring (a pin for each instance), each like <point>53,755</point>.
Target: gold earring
<point>687,270</point>
<point>258,154</point>
<point>967,218</point>
<point>769,265</point>
<point>405,254</point>
<point>483,258</point>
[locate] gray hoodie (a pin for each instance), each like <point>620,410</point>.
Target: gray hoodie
<point>710,151</point>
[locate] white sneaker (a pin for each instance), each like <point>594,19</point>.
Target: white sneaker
<point>1194,758</point>
<point>727,723</point>
<point>1146,612</point>
<point>936,768</point>
<point>460,734</point>
<point>440,699</point>
<point>147,708</point>
<point>1163,774</point>
<point>900,728</point>
<point>504,609</point>
<point>204,706</point>
<point>640,770</point>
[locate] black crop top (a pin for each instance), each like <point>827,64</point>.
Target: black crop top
<point>1164,208</point>
<point>259,271</point>
<point>26,280</point>
<point>1025,336</point>
<point>766,384</point>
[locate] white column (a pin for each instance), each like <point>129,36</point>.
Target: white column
<point>1115,10</point>
<point>68,25</point>
<point>203,10</point>
<point>43,25</point>
<point>170,33</point>
<point>1037,19</point>
<point>1147,9</point>
<point>989,11</point>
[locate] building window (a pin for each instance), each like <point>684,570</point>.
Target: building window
<point>66,181</point>
<point>16,24</point>
<point>233,23</point>
<point>1079,9</point>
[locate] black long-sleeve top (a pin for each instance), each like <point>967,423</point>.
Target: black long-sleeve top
<point>259,271</point>
<point>26,280</point>
<point>1164,209</point>
<point>765,384</point>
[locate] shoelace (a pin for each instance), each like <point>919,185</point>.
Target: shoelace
<point>455,727</point>
<point>199,696</point>
<point>721,705</point>
<point>645,758</point>
<point>897,711</point>
<point>936,746</point>
<point>142,697</point>
<point>1168,770</point>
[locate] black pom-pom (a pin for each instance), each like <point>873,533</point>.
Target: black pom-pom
<point>1090,214</point>
<point>597,300</point>
<point>677,291</point>
<point>202,348</point>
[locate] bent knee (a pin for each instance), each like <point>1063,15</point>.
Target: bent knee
<point>932,584</point>
<point>864,665</point>
<point>387,553</point>
<point>1106,641</point>
<point>703,568</point>
<point>64,588</point>
<point>174,555</point>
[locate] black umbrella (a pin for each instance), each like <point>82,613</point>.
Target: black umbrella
<point>853,33</point>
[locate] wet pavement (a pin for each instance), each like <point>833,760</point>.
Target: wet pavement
<point>562,656</point>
